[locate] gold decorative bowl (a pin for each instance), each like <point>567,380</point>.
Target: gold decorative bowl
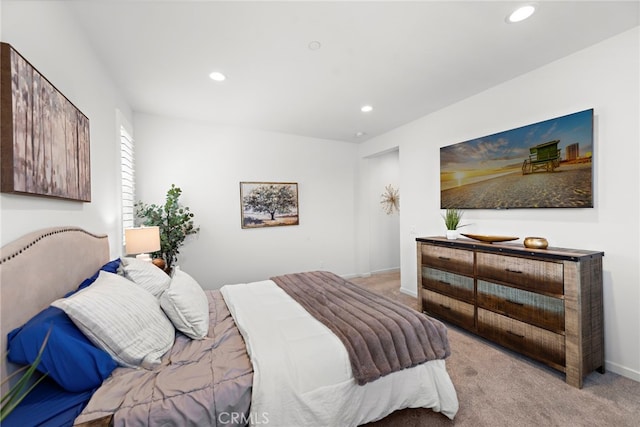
<point>536,242</point>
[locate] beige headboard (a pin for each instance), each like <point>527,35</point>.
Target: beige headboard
<point>41,267</point>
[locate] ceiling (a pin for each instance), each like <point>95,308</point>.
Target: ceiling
<point>406,59</point>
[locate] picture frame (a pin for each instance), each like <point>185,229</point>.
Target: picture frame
<point>547,164</point>
<point>268,204</point>
<point>44,138</point>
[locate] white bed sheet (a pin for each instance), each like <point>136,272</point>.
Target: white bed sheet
<point>302,374</point>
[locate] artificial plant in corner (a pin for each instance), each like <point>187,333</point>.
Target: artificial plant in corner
<point>175,222</point>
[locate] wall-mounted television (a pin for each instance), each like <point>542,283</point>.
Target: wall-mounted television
<point>543,165</point>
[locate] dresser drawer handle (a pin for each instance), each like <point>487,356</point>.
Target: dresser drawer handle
<point>515,302</point>
<point>513,271</point>
<point>444,283</point>
<point>444,258</point>
<point>515,335</point>
<point>445,307</point>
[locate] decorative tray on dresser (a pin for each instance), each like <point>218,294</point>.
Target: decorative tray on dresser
<point>543,303</point>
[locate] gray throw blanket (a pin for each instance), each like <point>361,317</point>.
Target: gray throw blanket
<point>381,335</point>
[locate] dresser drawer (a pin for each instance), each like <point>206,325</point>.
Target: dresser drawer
<point>458,260</point>
<point>535,342</point>
<point>534,275</point>
<point>451,284</point>
<point>540,310</point>
<point>449,309</point>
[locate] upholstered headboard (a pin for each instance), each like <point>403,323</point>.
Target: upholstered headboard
<point>41,267</point>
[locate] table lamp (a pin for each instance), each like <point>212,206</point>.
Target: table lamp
<point>141,241</point>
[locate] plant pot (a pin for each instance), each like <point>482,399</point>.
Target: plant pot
<point>452,234</point>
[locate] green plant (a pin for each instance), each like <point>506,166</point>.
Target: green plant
<point>452,218</point>
<point>174,220</point>
<point>21,388</point>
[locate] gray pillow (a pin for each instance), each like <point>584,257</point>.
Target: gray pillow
<point>146,275</point>
<point>122,319</point>
<point>186,305</point>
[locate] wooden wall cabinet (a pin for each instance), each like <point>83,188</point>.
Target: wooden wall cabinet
<point>543,303</point>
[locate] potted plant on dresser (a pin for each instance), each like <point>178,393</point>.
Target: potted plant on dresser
<point>452,218</point>
<point>175,222</point>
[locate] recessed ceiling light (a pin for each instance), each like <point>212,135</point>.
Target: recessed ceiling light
<point>521,13</point>
<point>314,45</point>
<point>360,134</point>
<point>366,108</point>
<point>217,76</point>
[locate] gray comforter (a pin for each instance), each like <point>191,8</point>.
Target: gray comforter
<point>381,335</point>
<point>199,383</point>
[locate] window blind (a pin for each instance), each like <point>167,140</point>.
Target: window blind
<point>127,165</point>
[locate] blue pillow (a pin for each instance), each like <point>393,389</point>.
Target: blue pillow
<point>69,357</point>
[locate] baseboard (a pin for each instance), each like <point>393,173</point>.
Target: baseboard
<point>407,292</point>
<point>622,370</point>
<point>386,270</point>
<point>371,273</point>
<point>353,276</point>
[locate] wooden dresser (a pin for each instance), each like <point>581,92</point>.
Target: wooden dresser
<point>543,303</point>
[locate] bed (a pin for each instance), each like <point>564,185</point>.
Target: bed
<point>263,358</point>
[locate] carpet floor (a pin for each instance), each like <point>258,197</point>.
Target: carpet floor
<point>497,387</point>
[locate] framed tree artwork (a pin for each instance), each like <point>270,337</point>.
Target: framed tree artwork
<point>268,204</point>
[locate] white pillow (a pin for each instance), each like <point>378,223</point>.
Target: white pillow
<point>146,275</point>
<point>186,305</point>
<point>122,319</point>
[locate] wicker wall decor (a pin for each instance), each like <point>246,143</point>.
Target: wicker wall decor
<point>390,200</point>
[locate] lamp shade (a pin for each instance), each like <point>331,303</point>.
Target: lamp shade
<point>142,240</point>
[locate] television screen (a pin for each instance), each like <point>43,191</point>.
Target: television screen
<point>543,165</point>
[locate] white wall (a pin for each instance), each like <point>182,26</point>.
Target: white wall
<point>208,162</point>
<point>384,229</point>
<point>48,36</point>
<point>603,77</point>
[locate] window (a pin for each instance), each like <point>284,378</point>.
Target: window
<point>127,165</point>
